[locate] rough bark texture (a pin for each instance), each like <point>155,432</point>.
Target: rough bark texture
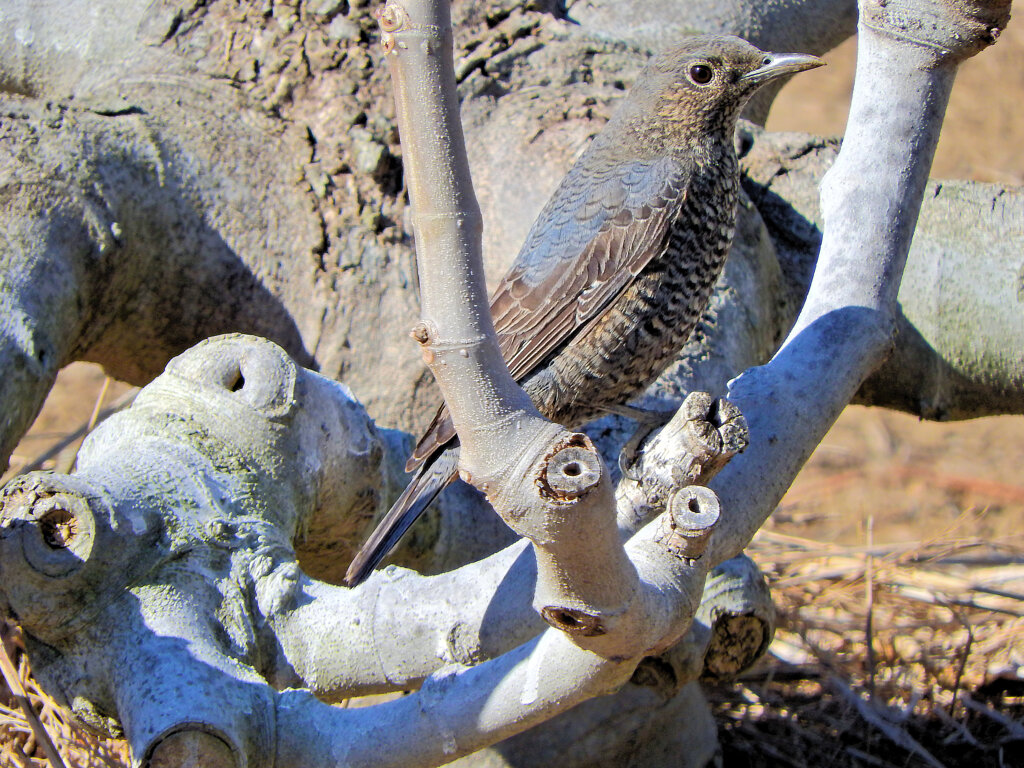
<point>240,168</point>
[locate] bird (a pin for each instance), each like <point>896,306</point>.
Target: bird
<point>619,265</point>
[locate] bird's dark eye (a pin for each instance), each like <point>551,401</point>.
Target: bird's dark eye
<point>701,74</point>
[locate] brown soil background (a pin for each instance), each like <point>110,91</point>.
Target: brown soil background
<point>916,492</point>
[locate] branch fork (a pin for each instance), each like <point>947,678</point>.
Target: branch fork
<point>547,483</point>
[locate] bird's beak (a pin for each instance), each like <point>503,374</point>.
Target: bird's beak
<point>779,64</point>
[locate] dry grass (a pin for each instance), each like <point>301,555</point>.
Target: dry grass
<point>24,718</point>
<point>886,655</point>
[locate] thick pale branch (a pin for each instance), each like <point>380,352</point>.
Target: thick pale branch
<point>959,349</point>
<point>323,636</point>
<point>457,335</point>
<point>138,567</point>
<point>175,529</point>
<point>42,297</point>
<point>547,484</point>
<point>414,634</point>
<point>870,201</point>
<point>454,714</point>
<point>465,709</point>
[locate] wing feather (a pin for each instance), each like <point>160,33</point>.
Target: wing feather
<point>595,235</point>
<point>575,287</point>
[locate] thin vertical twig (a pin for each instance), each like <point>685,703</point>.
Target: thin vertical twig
<point>14,683</point>
<point>89,426</point>
<point>869,599</point>
<point>963,661</point>
<point>94,416</point>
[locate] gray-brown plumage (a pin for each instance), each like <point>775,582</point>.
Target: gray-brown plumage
<point>618,267</point>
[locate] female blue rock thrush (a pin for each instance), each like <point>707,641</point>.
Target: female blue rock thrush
<point>619,266</point>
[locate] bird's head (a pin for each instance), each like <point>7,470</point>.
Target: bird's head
<point>703,84</point>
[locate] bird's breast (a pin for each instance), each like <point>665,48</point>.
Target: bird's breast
<point>634,338</point>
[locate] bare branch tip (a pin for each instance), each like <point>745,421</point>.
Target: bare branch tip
<point>571,469</point>
<point>697,405</point>
<point>693,512</point>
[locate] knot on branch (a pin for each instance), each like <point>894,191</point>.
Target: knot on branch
<point>714,431</point>
<point>425,334</point>
<point>954,30</point>
<point>191,746</point>
<point>55,527</point>
<point>392,17</point>
<point>702,437</point>
<point>656,673</point>
<point>394,20</point>
<point>573,621</point>
<point>571,469</point>
<point>692,514</point>
<point>421,334</point>
<point>256,373</point>
<point>59,542</point>
<point>737,609</point>
<point>737,641</point>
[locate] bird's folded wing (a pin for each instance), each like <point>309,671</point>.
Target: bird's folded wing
<point>578,258</point>
<point>595,235</point>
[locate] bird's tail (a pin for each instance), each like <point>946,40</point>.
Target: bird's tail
<point>431,478</point>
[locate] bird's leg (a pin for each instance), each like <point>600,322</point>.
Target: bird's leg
<point>647,421</point>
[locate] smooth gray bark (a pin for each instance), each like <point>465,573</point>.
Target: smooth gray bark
<point>165,566</point>
<point>959,329</point>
